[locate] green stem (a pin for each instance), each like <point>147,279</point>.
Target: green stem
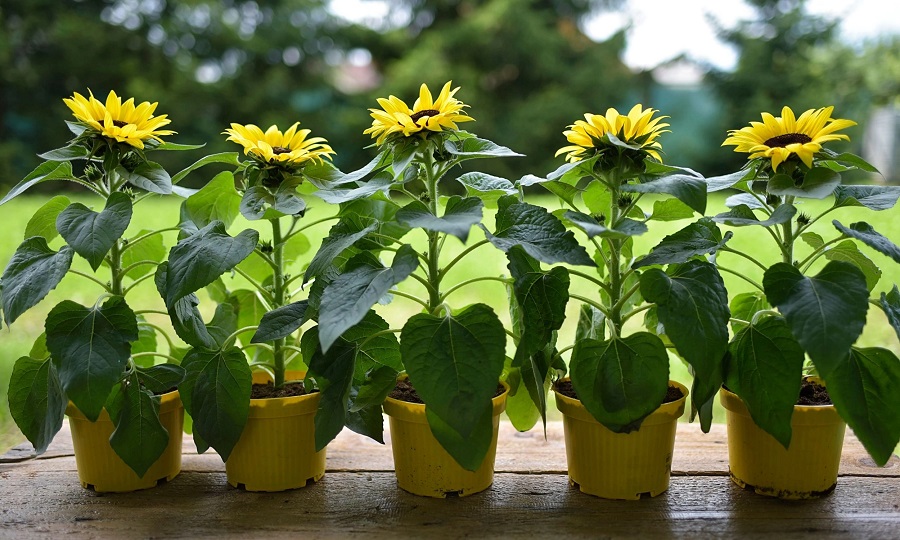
<point>233,336</point>
<point>171,359</point>
<point>635,311</point>
<point>308,225</point>
<point>818,252</point>
<point>278,297</point>
<point>744,255</point>
<point>115,268</point>
<point>256,285</point>
<point>161,331</point>
<point>461,255</point>
<point>788,235</point>
<point>462,284</point>
<point>412,297</point>
<point>590,302</point>
<point>134,265</point>
<point>138,281</point>
<point>590,278</point>
<point>434,238</point>
<point>92,278</point>
<point>134,241</point>
<point>740,275</point>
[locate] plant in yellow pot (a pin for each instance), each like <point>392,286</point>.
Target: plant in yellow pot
<point>244,400</point>
<point>785,431</point>
<point>620,408</point>
<point>96,363</point>
<point>444,410</point>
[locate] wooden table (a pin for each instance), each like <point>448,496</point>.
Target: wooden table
<point>41,497</point>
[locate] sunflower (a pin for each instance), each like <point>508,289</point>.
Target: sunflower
<point>427,114</point>
<point>638,128</point>
<point>290,148</point>
<point>780,137</point>
<point>120,121</point>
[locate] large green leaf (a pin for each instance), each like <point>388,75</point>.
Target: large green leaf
<point>333,373</point>
<point>848,252</point>
<point>216,201</point>
<point>622,380</point>
<point>890,304</point>
<point>341,236</point>
<point>818,183</point>
<point>148,176</point>
<point>699,238</point>
<point>349,297</point>
<point>741,215</point>
<point>43,222</point>
<point>33,271</point>
<point>90,347</point>
<point>485,186</point>
<point>92,234</point>
<point>216,393</point>
<point>281,322</point>
<point>718,183</point>
<point>541,297</point>
<point>468,451</point>
<point>198,260</point>
<point>765,369</point>
<point>139,438</point>
<point>473,148</point>
<point>865,233</point>
<point>186,319</point>
<point>872,197</point>
<point>36,400</point>
<point>691,190</point>
<point>539,233</point>
<point>865,388</point>
<point>66,153</point>
<point>161,378</point>
<point>692,305</point>
<point>826,312</point>
<point>671,210</point>
<point>625,228</point>
<point>45,172</point>
<point>454,363</point>
<point>459,216</point>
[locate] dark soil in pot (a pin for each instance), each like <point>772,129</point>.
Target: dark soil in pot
<point>404,391</point>
<point>813,393</point>
<point>268,390</point>
<point>673,393</point>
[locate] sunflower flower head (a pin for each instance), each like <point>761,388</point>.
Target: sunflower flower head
<point>115,120</point>
<point>427,115</point>
<point>638,130</point>
<point>290,149</point>
<point>785,136</point>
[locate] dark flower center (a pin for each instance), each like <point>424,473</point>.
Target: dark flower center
<point>422,114</point>
<point>119,123</point>
<point>781,141</point>
<point>280,150</point>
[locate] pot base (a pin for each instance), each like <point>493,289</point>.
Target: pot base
<point>783,493</point>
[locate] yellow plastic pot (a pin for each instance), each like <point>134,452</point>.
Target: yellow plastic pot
<point>620,465</point>
<point>101,469</point>
<point>807,469</point>
<point>277,449</point>
<point>422,465</point>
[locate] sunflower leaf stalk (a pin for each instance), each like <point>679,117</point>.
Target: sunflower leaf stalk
<point>822,299</point>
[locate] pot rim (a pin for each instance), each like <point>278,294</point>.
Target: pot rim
<point>415,412</point>
<point>665,412</point>
<point>168,402</point>
<point>805,414</point>
<point>280,407</point>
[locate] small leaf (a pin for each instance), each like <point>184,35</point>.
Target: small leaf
<point>333,372</point>
<point>33,271</point>
<point>691,190</point>
<point>473,148</point>
<point>622,380</point>
<point>216,201</point>
<point>625,228</point>
<point>818,183</point>
<point>90,347</point>
<point>186,319</point>
<point>148,176</point>
<point>718,183</point>
<point>747,199</point>
<point>742,215</point>
<point>161,378</point>
<point>149,250</point>
<point>139,438</point>
<point>486,186</point>
<point>890,304</point>
<point>591,324</point>
<point>146,342</point>
<point>281,322</point>
<point>459,216</point>
<point>848,252</point>
<point>66,153</point>
<point>872,197</point>
<point>228,158</point>
<point>744,306</point>
<point>43,222</point>
<point>826,312</point>
<point>334,195</point>
<point>45,172</point>
<point>853,160</point>
<point>92,234</point>
<point>864,232</point>
<point>36,401</point>
<point>813,240</point>
<point>598,199</point>
<point>699,238</point>
<point>341,236</point>
<point>260,203</point>
<point>670,210</point>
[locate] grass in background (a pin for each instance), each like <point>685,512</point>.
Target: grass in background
<point>154,213</point>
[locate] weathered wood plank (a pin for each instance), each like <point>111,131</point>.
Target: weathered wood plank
<point>197,505</point>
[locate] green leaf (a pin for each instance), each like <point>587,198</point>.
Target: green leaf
<point>250,309</point>
<point>33,271</point>
<point>92,234</point>
<point>486,187</point>
<point>625,228</point>
<point>151,248</point>
<point>161,378</point>
<point>139,438</point>
<point>260,203</point>
<point>539,233</point>
<point>223,324</point>
<point>43,222</point>
<point>818,183</point>
<point>334,195</point>
<point>853,160</point>
<point>521,410</point>
<point>474,148</point>
<point>699,238</point>
<point>598,199</point>
<point>66,153</point>
<point>692,305</point>
<point>178,147</point>
<point>198,260</point>
<point>349,297</point>
<point>146,342</point>
<point>341,236</point>
<point>468,451</point>
<point>228,158</point>
<point>691,190</point>
<point>333,372</point>
<point>216,201</point>
<point>454,363</point>
<point>45,172</point>
<point>622,380</point>
<point>591,324</point>
<point>813,240</point>
<point>742,215</point>
<point>865,388</point>
<point>744,306</point>
<point>890,304</point>
<point>148,176</point>
<point>747,199</point>
<point>718,183</point>
<point>281,322</point>
<point>765,369</point>
<point>459,216</point>
<point>36,401</point>
<point>848,252</point>
<point>866,234</point>
<point>90,347</point>
<point>216,393</point>
<point>826,312</point>
<point>670,210</point>
<point>872,197</point>
<point>186,319</point>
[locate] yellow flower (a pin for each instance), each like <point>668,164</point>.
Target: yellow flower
<point>427,114</point>
<point>120,121</point>
<point>779,137</point>
<point>274,147</point>
<point>638,127</point>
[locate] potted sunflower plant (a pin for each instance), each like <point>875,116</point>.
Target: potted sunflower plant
<point>445,404</point>
<point>794,374</point>
<point>97,363</point>
<point>619,407</point>
<point>259,417</point>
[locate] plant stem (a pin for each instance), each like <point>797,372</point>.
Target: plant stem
<point>788,235</point>
<point>740,275</point>
<point>590,278</point>
<point>90,277</point>
<point>278,297</point>
<point>462,254</point>
<point>434,239</point>
<point>115,268</point>
<point>614,264</point>
<point>469,281</point>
